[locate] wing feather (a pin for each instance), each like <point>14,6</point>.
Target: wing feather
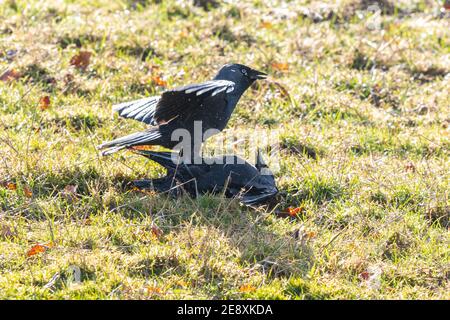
<point>181,102</point>
<point>175,103</point>
<point>141,110</point>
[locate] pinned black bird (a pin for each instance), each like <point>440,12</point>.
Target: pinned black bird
<point>232,175</point>
<point>211,102</point>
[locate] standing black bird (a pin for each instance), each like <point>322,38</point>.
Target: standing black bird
<point>211,103</point>
<point>250,184</point>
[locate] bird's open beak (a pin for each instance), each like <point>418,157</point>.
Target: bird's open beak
<point>256,75</point>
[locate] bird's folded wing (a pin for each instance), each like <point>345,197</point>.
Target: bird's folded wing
<point>181,102</point>
<point>141,110</point>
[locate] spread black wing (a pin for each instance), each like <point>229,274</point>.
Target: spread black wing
<point>181,102</point>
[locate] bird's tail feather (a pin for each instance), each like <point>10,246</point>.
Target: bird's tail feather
<point>169,160</point>
<point>135,139</point>
<point>112,150</point>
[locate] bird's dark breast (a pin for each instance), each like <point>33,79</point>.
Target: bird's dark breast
<point>211,114</point>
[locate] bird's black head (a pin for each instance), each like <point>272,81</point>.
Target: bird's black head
<point>239,73</point>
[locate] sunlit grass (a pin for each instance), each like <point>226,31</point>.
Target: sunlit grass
<point>363,132</point>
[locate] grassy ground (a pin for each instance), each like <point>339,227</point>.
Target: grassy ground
<point>363,113</point>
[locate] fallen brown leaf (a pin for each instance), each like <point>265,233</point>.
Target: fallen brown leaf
<point>289,212</point>
<point>293,212</point>
<point>10,75</point>
<point>266,24</point>
<point>159,81</point>
<point>410,167</point>
<point>364,275</point>
<point>39,248</point>
<point>153,290</point>
<point>27,191</point>
<point>11,186</point>
<point>81,60</point>
<point>44,103</point>
<point>247,288</point>
<point>311,234</point>
<point>280,66</point>
<point>156,231</point>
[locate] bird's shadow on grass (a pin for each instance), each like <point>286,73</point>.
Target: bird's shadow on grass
<point>265,242</point>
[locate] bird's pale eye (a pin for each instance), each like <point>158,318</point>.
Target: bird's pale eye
<point>244,71</point>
